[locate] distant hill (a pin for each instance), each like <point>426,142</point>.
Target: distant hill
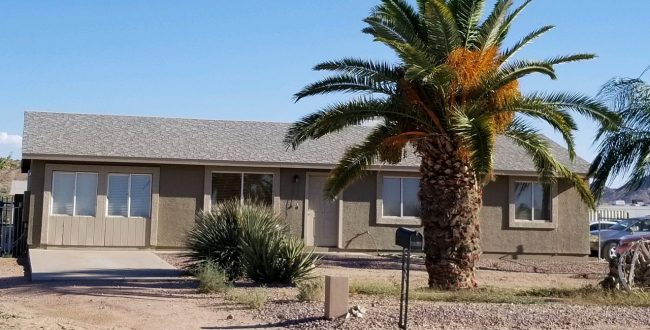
<point>642,194</point>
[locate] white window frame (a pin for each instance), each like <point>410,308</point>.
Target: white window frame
<point>533,224</point>
<point>128,200</point>
<point>74,195</point>
<point>392,219</point>
<point>241,183</point>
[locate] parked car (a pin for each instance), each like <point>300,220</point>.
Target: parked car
<point>626,242</point>
<point>601,225</point>
<point>608,240</point>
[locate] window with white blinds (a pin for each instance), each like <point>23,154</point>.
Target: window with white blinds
<point>129,195</point>
<point>74,193</point>
<point>140,195</point>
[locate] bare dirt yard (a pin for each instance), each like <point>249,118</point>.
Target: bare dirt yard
<point>177,305</point>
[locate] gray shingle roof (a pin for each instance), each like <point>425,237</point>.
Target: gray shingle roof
<point>60,135</point>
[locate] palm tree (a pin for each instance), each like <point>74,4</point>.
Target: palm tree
<point>453,90</point>
<point>626,150</point>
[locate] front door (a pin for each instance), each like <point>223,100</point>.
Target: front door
<point>322,213</point>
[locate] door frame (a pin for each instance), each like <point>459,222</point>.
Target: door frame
<point>308,224</point>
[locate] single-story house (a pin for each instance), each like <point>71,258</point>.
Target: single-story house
<point>127,181</point>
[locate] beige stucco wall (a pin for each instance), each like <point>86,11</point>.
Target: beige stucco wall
<point>361,231</point>
<point>569,238</point>
<point>360,228</point>
<point>180,197</point>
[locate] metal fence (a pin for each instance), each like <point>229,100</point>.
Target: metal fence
<point>13,230</point>
<point>606,212</point>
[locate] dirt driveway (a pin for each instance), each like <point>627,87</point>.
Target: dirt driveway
<point>176,305</point>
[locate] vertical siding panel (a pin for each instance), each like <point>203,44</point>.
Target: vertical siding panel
<point>108,234</point>
<point>140,233</point>
<point>124,231</point>
<point>67,224</point>
<point>133,223</point>
<point>89,230</point>
<point>83,224</point>
<point>74,233</point>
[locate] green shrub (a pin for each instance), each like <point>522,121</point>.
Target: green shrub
<point>248,238</point>
<point>270,255</point>
<point>211,278</point>
<point>216,237</point>
<point>254,299</point>
<point>310,290</point>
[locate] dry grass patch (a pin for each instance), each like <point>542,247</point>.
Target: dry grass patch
<point>310,290</point>
<point>589,295</point>
<point>251,298</point>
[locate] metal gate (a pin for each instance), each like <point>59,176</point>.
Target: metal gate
<point>13,229</point>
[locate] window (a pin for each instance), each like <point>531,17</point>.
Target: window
<point>129,195</point>
<point>255,186</point>
<point>532,201</point>
<point>74,193</point>
<point>400,197</point>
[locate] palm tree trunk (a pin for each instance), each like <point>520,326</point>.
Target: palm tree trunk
<point>450,201</point>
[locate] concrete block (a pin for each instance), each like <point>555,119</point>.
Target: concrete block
<point>336,296</point>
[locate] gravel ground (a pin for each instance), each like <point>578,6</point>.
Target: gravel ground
<point>462,316</point>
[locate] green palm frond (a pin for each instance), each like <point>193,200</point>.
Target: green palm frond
<point>441,27</point>
<point>404,16</point>
<point>476,136</point>
<point>624,150</point>
<point>357,159</point>
<point>556,117</point>
<point>505,28</point>
<point>468,15</point>
<point>491,27</point>
<point>569,58</point>
<point>508,53</point>
<point>378,71</point>
<point>516,70</point>
<point>584,105</point>
<point>346,83</point>
<point>547,166</point>
<point>338,116</point>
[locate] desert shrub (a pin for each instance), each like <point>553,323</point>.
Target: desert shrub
<point>215,237</point>
<point>249,238</point>
<point>270,255</point>
<point>211,278</point>
<point>310,290</point>
<point>254,299</point>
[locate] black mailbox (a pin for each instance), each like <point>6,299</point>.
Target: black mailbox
<point>409,239</point>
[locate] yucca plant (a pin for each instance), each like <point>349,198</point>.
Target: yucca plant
<point>454,89</point>
<point>271,255</point>
<point>248,238</point>
<point>216,238</point>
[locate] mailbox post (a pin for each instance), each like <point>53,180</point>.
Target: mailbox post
<point>409,240</point>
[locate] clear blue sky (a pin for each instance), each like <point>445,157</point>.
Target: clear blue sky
<point>244,59</point>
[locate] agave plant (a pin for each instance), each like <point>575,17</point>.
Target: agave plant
<point>454,88</point>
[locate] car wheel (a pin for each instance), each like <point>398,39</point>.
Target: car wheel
<point>609,251</point>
